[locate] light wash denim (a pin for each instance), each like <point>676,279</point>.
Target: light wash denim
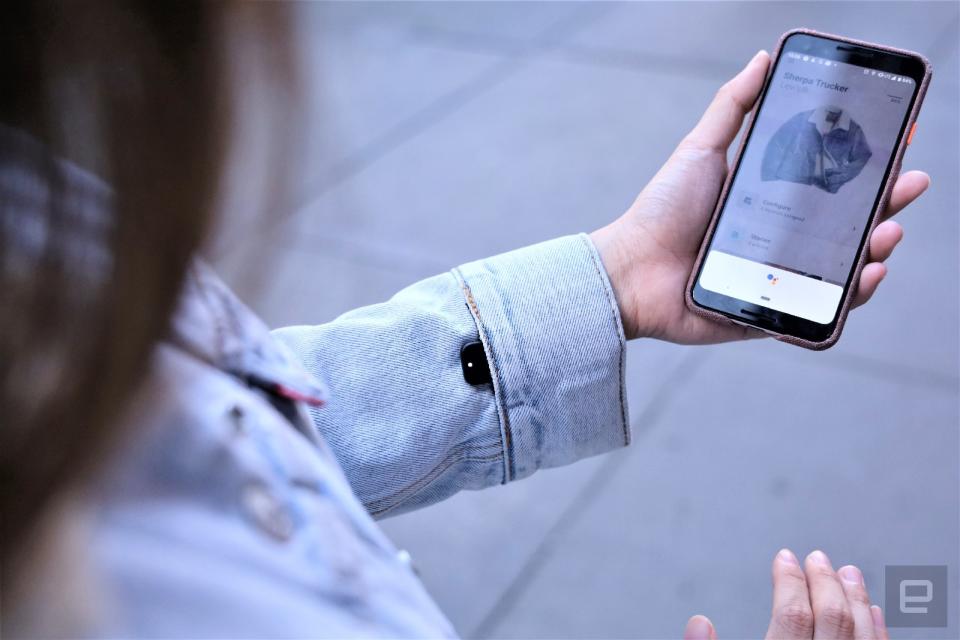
<point>237,512</point>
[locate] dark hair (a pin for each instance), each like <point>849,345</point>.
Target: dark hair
<point>136,93</point>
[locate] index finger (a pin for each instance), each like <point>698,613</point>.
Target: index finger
<point>792,617</point>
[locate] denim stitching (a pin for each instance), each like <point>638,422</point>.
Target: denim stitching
<point>398,498</point>
<point>615,312</point>
<point>495,378</point>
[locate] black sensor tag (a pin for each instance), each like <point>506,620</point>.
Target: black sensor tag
<point>473,360</point>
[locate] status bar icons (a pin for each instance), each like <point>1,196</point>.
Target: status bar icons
<point>799,57</point>
<point>887,76</point>
<point>816,60</point>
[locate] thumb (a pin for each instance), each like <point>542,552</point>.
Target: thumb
<point>722,119</point>
<point>699,628</point>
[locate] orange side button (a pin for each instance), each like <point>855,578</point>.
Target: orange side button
<point>913,130</point>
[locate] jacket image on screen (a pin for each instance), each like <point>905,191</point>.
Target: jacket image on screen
<point>822,147</point>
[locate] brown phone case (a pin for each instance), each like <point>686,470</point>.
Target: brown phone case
<point>874,215</point>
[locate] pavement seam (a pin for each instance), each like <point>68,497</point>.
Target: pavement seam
<point>446,105</point>
<point>426,118</point>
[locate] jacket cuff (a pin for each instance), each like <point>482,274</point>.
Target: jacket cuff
<point>551,328</point>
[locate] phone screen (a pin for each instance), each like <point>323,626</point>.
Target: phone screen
<point>811,173</point>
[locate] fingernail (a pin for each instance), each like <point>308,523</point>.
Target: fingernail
<point>698,628</point>
<point>785,555</point>
<point>820,558</point>
<point>877,614</point>
<point>851,574</point>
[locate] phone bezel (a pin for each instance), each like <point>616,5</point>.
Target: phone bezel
<point>842,51</point>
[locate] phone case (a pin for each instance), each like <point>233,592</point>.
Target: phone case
<point>874,217</point>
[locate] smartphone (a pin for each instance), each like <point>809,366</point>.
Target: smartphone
<point>821,151</point>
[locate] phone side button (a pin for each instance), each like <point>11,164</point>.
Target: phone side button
<point>913,130</point>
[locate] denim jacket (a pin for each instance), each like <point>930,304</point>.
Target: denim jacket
<point>244,505</point>
<point>242,512</point>
<point>810,148</point>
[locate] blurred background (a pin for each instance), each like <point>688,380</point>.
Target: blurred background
<point>439,133</point>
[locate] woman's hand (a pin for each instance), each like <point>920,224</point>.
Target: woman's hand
<point>649,251</point>
<point>821,603</point>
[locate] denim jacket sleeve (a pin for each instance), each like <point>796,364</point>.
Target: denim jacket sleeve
<point>407,428</point>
